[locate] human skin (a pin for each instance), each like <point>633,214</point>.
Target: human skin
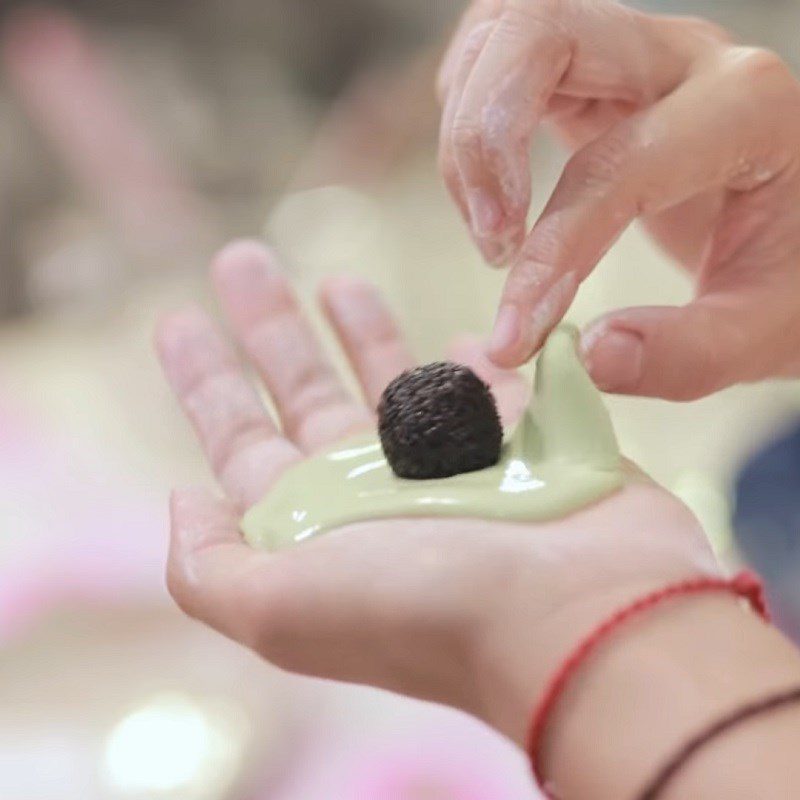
<point>667,121</point>
<point>469,613</point>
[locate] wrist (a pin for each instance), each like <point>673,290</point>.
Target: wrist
<point>519,658</point>
<point>658,681</point>
<point>563,579</point>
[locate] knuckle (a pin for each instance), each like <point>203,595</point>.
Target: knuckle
<point>601,165</point>
<point>499,143</point>
<point>498,128</point>
<point>546,245</point>
<point>754,65</point>
<point>465,135</point>
<point>476,39</point>
<point>531,278</point>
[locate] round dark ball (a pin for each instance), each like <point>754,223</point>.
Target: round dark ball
<point>437,421</point>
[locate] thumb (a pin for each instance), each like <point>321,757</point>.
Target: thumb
<point>675,353</point>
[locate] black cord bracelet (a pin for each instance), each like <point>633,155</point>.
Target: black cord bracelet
<point>741,715</point>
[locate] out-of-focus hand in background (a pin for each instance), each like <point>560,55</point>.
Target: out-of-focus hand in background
<point>137,139</point>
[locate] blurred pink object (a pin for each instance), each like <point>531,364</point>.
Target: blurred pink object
<point>72,532</point>
<point>432,770</point>
<point>371,745</point>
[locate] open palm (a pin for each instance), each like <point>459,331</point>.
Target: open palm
<point>430,608</point>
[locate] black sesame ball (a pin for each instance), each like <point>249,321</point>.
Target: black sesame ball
<point>437,421</point>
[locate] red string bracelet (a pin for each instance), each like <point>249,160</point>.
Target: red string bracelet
<point>746,585</point>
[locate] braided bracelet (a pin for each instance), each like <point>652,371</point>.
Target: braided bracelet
<point>745,585</point>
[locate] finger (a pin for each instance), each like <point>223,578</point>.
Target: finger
<point>473,45</point>
<point>242,445</point>
<point>505,96</point>
<point>313,404</point>
<point>699,138</point>
<point>477,13</point>
<point>636,59</point>
<point>673,353</point>
<point>213,575</point>
<point>539,51</point>
<point>510,389</point>
<point>578,121</point>
<point>368,332</point>
<point>734,332</point>
<point>684,230</point>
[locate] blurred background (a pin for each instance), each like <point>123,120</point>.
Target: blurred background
<point>137,137</point>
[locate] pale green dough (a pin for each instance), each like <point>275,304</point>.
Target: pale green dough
<point>562,456</point>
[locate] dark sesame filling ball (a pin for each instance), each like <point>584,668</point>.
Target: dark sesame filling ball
<point>437,421</point>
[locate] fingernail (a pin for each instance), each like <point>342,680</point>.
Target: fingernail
<point>614,359</point>
<point>506,332</point>
<point>247,278</point>
<point>499,251</point>
<point>485,213</point>
<point>491,251</point>
<point>241,265</point>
